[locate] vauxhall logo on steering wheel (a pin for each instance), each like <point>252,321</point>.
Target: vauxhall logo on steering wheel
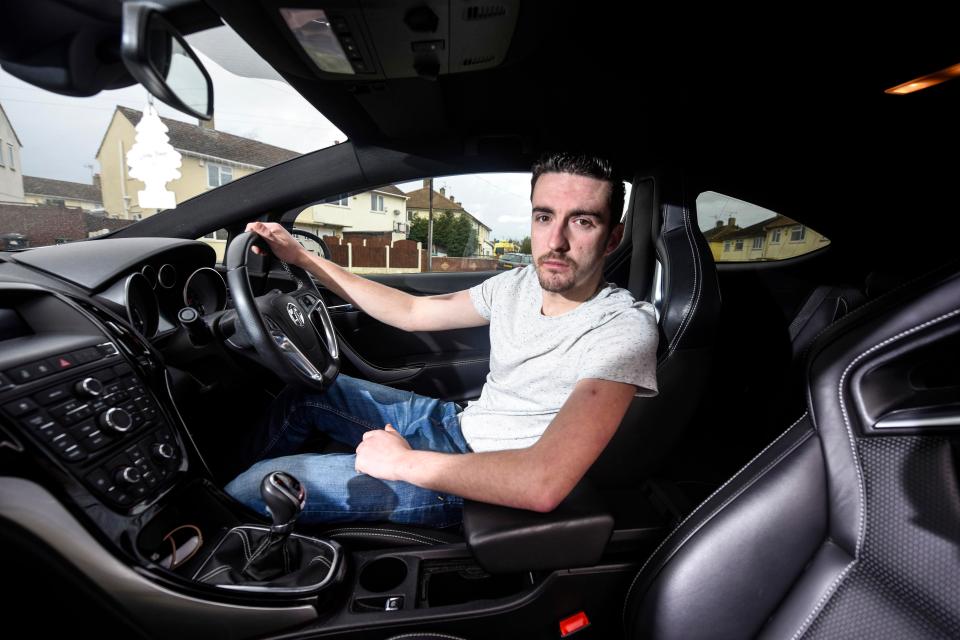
<point>295,314</point>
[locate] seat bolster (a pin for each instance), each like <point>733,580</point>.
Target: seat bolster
<point>819,581</point>
<point>763,526</point>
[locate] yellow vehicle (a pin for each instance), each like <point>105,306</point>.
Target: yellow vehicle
<point>505,246</point>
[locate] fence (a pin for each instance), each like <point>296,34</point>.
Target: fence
<point>361,252</point>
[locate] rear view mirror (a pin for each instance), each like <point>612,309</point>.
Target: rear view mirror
<point>159,58</point>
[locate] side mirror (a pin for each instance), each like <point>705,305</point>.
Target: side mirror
<point>159,58</point>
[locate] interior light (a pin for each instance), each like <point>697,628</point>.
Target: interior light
<point>926,81</point>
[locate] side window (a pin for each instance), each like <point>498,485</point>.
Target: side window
<point>738,231</point>
<point>477,219</point>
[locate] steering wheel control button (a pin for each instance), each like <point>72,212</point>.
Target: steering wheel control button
<point>89,387</point>
<point>116,419</point>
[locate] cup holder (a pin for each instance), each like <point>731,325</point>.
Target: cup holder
<point>383,574</point>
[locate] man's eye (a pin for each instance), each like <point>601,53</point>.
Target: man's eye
<point>541,218</point>
<point>583,222</point>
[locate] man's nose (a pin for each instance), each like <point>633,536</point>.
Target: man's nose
<point>558,237</point>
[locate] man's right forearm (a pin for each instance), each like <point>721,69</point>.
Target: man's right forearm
<point>383,303</point>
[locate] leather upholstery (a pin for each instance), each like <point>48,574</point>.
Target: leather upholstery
<point>504,540</point>
<point>689,312</point>
<point>828,532</point>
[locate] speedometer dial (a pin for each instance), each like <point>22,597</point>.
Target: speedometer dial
<point>205,291</point>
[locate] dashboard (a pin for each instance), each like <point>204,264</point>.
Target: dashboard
<point>81,391</point>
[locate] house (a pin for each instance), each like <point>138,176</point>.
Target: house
<point>418,206</point>
<point>775,238</point>
<point>715,236</point>
<point>381,211</point>
<point>61,193</point>
<point>11,178</point>
<point>210,158</point>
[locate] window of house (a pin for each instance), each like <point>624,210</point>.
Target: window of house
<point>10,154</point>
<point>56,202</point>
<point>342,200</point>
<point>773,236</point>
<point>218,174</point>
<point>376,202</point>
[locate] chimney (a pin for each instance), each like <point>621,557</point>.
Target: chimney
<point>731,221</point>
<point>426,183</point>
<point>207,124</point>
<point>96,180</point>
<point>443,191</point>
<point>719,224</point>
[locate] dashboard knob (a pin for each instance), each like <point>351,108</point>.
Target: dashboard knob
<point>116,419</point>
<point>163,452</point>
<point>89,388</point>
<point>128,476</point>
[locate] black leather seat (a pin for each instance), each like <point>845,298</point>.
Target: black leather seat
<point>686,294</point>
<point>848,524</point>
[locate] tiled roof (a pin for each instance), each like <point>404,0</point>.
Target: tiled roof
<point>209,142</point>
<point>419,199</point>
<point>61,189</point>
<point>392,190</point>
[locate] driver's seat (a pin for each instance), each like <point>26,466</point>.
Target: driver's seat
<point>686,294</point>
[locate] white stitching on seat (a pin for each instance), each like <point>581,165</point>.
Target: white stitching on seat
<point>694,512</point>
<point>697,283</point>
<point>353,530</point>
<point>862,514</point>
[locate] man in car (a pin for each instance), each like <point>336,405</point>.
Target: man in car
<point>568,354</point>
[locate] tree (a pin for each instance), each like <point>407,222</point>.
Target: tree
<point>418,230</point>
<point>525,246</point>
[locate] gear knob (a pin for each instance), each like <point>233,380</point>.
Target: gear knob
<point>285,497</point>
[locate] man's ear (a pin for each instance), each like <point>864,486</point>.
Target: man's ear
<point>616,235</point>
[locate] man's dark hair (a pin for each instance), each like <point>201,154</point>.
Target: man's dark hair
<point>582,164</point>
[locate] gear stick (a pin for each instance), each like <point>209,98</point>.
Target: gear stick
<point>285,497</point>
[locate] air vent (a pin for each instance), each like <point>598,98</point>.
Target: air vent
<point>468,62</point>
<point>485,12</point>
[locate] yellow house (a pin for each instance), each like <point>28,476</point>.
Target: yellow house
<point>382,210</point>
<point>210,158</point>
<point>776,238</point>
<point>63,193</point>
<point>418,206</point>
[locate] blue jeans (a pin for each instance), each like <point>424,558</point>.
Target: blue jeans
<point>335,491</point>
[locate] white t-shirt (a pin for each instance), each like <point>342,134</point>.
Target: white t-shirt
<point>536,360</point>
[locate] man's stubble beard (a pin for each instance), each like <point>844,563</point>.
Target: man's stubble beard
<point>556,283</point>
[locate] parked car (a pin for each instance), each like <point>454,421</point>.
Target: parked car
<point>511,260</point>
<point>129,379</point>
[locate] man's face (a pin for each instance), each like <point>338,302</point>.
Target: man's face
<point>571,231</point>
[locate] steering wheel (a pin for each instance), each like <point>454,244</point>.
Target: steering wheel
<point>291,332</point>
